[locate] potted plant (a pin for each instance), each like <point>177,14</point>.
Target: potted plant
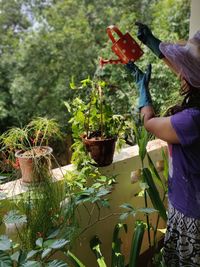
<point>29,146</point>
<point>95,123</point>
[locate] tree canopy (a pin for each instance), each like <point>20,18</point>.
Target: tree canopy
<point>47,44</point>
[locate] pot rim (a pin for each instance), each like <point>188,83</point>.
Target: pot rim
<point>19,153</point>
<point>86,139</point>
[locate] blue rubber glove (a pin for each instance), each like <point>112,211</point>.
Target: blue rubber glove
<point>142,82</point>
<point>146,37</point>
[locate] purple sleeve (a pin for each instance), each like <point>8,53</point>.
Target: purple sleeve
<point>187,126</point>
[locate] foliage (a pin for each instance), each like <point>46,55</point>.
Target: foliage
<point>167,27</point>
<point>39,132</point>
<point>41,206</point>
<point>45,43</point>
<point>45,218</point>
<point>117,258</point>
<point>93,114</point>
<point>36,133</point>
<point>150,180</point>
<point>12,255</point>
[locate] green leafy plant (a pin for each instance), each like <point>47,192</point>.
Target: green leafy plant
<point>12,255</point>
<point>36,133</point>
<point>93,114</point>
<point>117,257</point>
<point>92,117</point>
<point>150,181</point>
<point>30,141</point>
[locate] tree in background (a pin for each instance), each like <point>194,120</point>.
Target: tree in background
<point>13,24</point>
<point>47,43</point>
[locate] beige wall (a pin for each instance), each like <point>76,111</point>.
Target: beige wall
<point>123,192</point>
<point>194,17</point>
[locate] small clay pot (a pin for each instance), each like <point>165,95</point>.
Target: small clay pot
<point>34,163</point>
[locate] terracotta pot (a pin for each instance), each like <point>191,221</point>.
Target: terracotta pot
<point>35,164</point>
<point>101,150</point>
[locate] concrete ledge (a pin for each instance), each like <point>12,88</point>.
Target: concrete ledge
<point>16,187</point>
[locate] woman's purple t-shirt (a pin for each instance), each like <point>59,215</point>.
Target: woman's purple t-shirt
<point>184,163</point>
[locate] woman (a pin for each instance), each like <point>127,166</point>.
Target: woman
<point>181,130</point>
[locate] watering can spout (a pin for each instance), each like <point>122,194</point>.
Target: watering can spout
<point>103,62</point>
<point>126,48</point>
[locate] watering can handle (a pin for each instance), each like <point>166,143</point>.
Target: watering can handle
<point>115,29</point>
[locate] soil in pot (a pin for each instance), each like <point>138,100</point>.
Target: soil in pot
<point>35,164</point>
<point>101,149</point>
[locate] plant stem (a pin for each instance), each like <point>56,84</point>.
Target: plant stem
<point>147,218</point>
<point>87,124</point>
<point>101,109</point>
<point>157,222</point>
<point>99,220</point>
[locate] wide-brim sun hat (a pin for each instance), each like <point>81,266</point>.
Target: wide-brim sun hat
<point>185,58</point>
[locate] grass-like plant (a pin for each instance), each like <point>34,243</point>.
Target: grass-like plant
<point>29,141</point>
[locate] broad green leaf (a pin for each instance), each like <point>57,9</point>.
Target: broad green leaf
<point>97,185</point>
<point>136,243</point>
<point>147,210</point>
<point>127,206</point>
<point>57,263</point>
<point>154,172</point>
<point>15,256</point>
<point>5,260</point>
<point>47,243</point>
<point>60,243</point>
<point>32,264</point>
<point>154,194</point>
<point>39,242</point>
<point>31,254</point>
<point>54,234</point>
<point>5,243</point>
<point>102,192</point>
<point>13,216</point>
<point>142,148</point>
<point>46,252</point>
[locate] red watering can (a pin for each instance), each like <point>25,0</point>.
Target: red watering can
<point>126,48</point>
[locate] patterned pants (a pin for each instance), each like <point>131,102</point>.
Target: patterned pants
<point>182,240</point>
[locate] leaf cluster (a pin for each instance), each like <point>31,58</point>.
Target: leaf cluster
<point>36,133</point>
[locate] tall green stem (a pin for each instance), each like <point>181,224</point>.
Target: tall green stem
<point>88,118</point>
<point>101,109</point>
<point>147,216</point>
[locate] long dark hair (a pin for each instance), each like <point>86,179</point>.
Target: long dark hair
<point>191,99</point>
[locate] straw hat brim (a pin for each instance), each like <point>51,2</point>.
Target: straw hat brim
<point>185,59</point>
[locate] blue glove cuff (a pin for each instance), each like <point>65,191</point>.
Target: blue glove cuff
<point>142,83</point>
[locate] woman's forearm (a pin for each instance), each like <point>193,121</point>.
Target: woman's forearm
<point>147,113</point>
